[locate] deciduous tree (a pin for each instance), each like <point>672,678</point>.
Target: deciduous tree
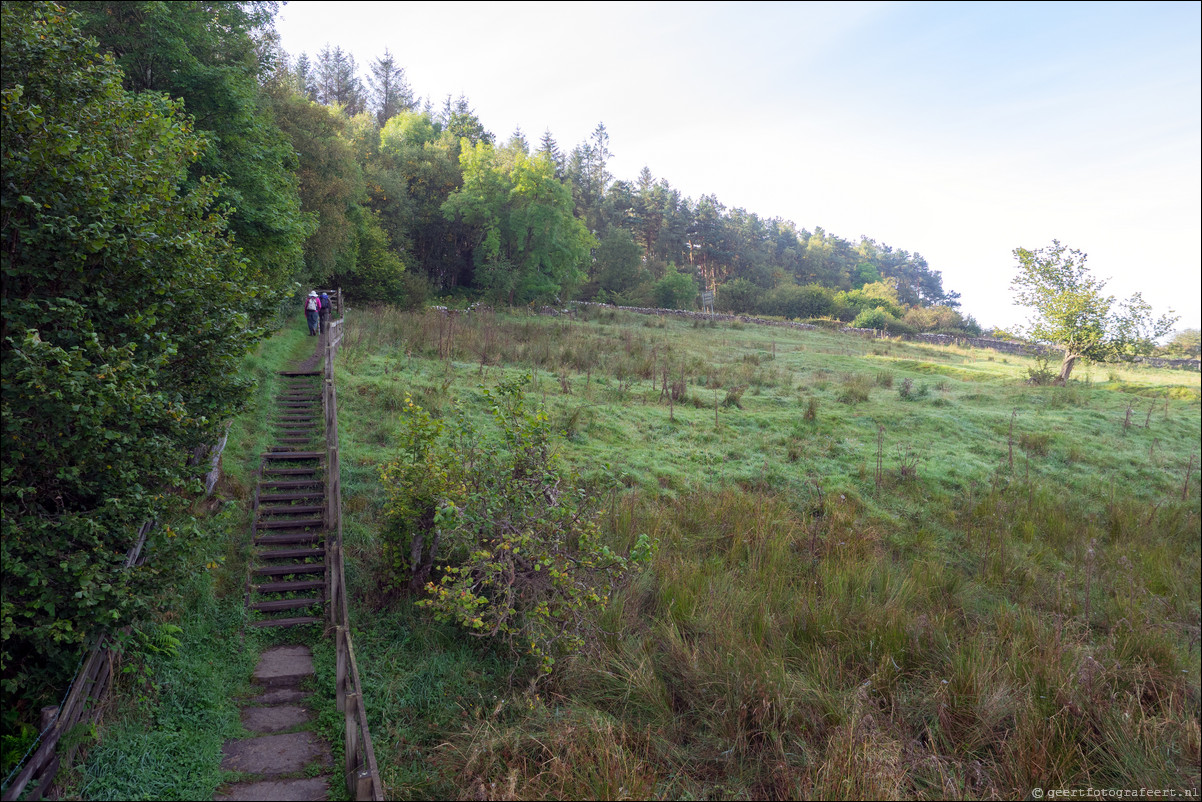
<point>1070,309</point>
<point>127,310</point>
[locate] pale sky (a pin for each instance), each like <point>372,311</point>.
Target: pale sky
<point>957,131</point>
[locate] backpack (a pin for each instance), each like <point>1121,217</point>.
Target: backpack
<point>325,302</point>
<point>312,304</point>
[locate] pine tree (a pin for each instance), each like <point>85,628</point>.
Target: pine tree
<point>390,91</point>
<point>549,148</point>
<point>338,81</point>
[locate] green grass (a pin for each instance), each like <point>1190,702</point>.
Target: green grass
<point>165,742</point>
<point>1010,601</point>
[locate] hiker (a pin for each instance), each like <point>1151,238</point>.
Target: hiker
<point>312,311</point>
<point>325,312</point>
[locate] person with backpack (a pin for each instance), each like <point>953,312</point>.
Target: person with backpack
<point>312,311</point>
<point>325,312</point>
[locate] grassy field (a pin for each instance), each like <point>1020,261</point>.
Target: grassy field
<point>886,569</point>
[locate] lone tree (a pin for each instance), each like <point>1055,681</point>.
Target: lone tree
<point>1072,312</point>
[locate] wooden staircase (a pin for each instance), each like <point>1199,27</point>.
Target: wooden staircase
<point>287,584</point>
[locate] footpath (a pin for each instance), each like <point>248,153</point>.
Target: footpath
<point>284,758</point>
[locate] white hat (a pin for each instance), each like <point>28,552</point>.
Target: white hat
<point>313,292</point>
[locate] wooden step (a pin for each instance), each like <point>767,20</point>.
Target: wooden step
<point>293,455</point>
<point>286,622</point>
<point>290,483</point>
<point>289,496</point>
<point>288,587</point>
<point>292,472</point>
<point>292,554</point>
<point>294,568</point>
<point>293,509</point>
<point>295,523</point>
<point>283,604</point>
<point>300,372</point>
<point>288,539</point>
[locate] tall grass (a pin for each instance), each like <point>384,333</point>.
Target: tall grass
<point>810,627</point>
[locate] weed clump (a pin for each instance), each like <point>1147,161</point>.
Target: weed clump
<point>811,413</point>
<point>734,396</point>
<point>908,392</point>
<point>856,389</point>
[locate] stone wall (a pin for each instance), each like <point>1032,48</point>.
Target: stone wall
<point>1004,346</point>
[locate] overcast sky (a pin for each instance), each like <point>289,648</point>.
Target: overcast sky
<point>958,131</point>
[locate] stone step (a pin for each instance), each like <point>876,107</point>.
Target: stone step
<point>273,755</point>
<point>290,483</point>
<point>300,523</point>
<point>265,497</point>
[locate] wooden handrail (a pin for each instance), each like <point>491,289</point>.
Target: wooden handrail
<point>362,775</point>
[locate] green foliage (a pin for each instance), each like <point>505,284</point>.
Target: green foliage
<point>618,266</point>
<point>1186,343</point>
<point>520,557</point>
<point>937,319</point>
<point>1071,311</point>
<point>737,295</point>
<point>211,55</point>
<point>849,305</point>
<point>127,310</point>
<point>521,216</point>
<point>675,290</point>
<point>792,301</point>
<point>880,320</point>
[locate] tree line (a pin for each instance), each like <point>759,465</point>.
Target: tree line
<point>523,221</point>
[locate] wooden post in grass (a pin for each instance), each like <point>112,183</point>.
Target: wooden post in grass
<point>1188,471</point>
<point>1013,415</point>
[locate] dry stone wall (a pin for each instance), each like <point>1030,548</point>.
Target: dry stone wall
<point>1003,346</point>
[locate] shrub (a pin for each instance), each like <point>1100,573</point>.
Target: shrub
<point>127,312</point>
<point>877,319</point>
<point>792,301</point>
<point>739,295</point>
<point>504,540</point>
<point>675,290</point>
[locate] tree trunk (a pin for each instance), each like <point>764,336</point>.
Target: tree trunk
<point>1066,367</point>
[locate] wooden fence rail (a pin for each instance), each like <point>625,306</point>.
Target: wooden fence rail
<point>361,772</point>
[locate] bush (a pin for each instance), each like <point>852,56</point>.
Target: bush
<point>127,313</point>
<point>738,296</point>
<point>877,319</point>
<point>794,302</point>
<point>504,541</point>
<point>675,290</point>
